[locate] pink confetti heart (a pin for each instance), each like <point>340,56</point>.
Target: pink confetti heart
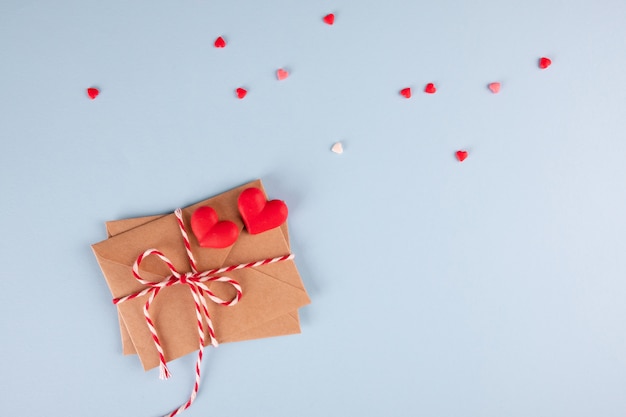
<point>494,87</point>
<point>241,92</point>
<point>406,92</point>
<point>329,19</point>
<point>337,148</point>
<point>93,92</point>
<point>281,74</point>
<point>220,42</point>
<point>461,155</point>
<point>544,62</point>
<point>430,88</point>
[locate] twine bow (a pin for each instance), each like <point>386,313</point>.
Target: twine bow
<point>196,281</point>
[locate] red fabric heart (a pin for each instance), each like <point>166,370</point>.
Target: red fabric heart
<point>281,74</point>
<point>406,92</point>
<point>461,155</point>
<point>93,92</point>
<point>329,19</point>
<point>258,214</point>
<point>241,92</point>
<point>430,88</point>
<point>210,232</point>
<point>220,42</point>
<point>544,62</point>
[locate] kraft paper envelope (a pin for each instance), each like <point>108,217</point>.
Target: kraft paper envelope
<point>284,325</point>
<point>270,292</point>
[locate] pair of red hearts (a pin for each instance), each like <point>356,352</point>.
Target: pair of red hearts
<point>258,214</point>
<point>429,89</point>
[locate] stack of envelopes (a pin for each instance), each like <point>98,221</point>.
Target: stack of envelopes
<point>272,294</point>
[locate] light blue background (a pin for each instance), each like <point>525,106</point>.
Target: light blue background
<point>488,288</point>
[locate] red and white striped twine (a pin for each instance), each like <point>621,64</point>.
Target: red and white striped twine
<point>199,290</point>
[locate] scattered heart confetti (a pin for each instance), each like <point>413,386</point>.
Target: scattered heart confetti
<point>93,92</point>
<point>430,88</point>
<point>494,87</point>
<point>210,232</point>
<point>461,155</point>
<point>258,214</point>
<point>329,19</point>
<point>281,74</point>
<point>337,148</point>
<point>406,92</point>
<point>544,62</point>
<point>220,42</point>
<point>241,92</point>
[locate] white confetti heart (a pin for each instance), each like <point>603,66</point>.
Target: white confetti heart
<point>337,148</point>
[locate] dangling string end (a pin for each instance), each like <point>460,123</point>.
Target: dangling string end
<point>197,283</point>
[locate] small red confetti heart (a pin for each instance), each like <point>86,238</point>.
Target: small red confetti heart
<point>494,87</point>
<point>406,92</point>
<point>544,62</point>
<point>430,88</point>
<point>461,155</point>
<point>220,42</point>
<point>93,92</point>
<point>241,92</point>
<point>329,19</point>
<point>210,232</point>
<point>281,74</point>
<point>258,214</point>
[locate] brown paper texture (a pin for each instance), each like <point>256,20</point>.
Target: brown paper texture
<point>271,293</point>
<point>284,325</point>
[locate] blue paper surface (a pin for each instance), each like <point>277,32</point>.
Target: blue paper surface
<point>492,287</point>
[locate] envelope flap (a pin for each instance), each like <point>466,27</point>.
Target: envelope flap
<point>115,227</point>
<point>173,314</point>
<point>122,287</point>
<point>124,249</point>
